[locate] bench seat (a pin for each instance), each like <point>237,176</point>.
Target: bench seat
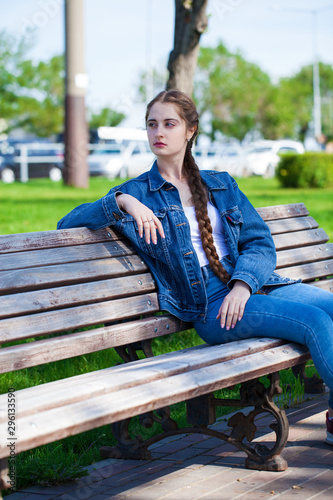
<point>59,409</point>
<point>56,284</point>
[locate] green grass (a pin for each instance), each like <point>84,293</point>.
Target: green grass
<point>264,192</point>
<point>37,206</point>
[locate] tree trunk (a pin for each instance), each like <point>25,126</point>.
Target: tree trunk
<point>190,22</point>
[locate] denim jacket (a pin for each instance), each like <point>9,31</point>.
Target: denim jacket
<point>173,261</point>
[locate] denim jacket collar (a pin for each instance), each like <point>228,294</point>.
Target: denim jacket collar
<point>156,181</point>
<point>211,179</point>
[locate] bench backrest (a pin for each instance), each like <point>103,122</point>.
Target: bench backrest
<point>55,283</point>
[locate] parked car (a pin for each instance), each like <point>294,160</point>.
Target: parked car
<point>262,157</point>
<point>43,160</point>
<point>106,160</point>
<point>207,158</point>
<point>231,160</point>
<point>138,158</point>
<point>120,160</point>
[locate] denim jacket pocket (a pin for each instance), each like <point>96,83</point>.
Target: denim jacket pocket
<point>232,225</point>
<point>234,216</point>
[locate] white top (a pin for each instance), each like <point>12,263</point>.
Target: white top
<point>218,235</point>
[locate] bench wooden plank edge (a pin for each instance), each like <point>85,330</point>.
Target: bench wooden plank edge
<point>80,387</point>
<point>275,212</point>
<point>76,344</point>
<point>59,423</point>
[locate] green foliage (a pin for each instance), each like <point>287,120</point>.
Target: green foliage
<point>233,91</point>
<point>106,118</point>
<point>42,115</point>
<point>294,101</point>
<point>314,170</point>
<point>240,98</point>
<point>11,54</point>
<point>31,94</point>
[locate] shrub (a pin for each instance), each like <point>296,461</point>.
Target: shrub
<point>305,170</point>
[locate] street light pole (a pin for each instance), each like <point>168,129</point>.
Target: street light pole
<point>76,131</point>
<point>316,80</point>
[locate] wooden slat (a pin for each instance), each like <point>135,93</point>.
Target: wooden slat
<point>86,293</point>
<point>309,272</point>
<point>299,239</point>
<point>48,276</point>
<point>65,255</point>
<point>304,255</point>
<point>75,344</point>
<point>61,320</point>
<point>291,225</point>
<point>58,423</point>
<point>81,387</point>
<point>54,239</point>
<point>324,284</point>
<point>282,211</point>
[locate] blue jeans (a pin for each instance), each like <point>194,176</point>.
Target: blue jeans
<point>296,312</point>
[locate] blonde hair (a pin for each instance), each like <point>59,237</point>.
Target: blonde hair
<point>189,114</point>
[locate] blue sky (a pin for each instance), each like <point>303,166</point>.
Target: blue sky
<point>122,37</point>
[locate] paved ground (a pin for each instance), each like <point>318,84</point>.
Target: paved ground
<point>195,467</point>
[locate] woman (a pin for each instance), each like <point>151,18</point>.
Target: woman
<point>211,254</point>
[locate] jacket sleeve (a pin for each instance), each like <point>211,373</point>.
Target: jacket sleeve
<point>101,213</point>
<point>256,250</point>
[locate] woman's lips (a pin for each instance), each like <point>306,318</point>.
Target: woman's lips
<point>159,144</point>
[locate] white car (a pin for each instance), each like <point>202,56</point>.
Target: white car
<point>106,160</point>
<point>120,160</point>
<point>206,158</point>
<point>137,158</point>
<point>231,160</point>
<point>263,156</point>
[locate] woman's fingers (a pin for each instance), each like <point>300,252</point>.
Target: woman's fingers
<point>228,313</point>
<point>233,305</point>
<point>146,220</point>
<point>150,224</point>
<point>149,228</point>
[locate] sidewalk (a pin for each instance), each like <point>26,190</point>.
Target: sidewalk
<point>191,467</point>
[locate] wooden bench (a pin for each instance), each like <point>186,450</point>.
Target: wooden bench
<point>54,283</point>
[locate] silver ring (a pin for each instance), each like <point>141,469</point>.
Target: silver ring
<point>151,220</point>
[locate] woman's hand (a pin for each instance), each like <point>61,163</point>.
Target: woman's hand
<point>233,305</point>
<point>145,218</point>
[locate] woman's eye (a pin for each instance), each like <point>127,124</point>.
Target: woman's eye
<point>169,124</point>
<point>151,125</point>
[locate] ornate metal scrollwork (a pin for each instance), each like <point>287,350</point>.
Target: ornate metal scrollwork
<point>126,447</point>
<point>201,414</point>
<point>243,427</point>
<point>129,352</point>
<point>261,457</point>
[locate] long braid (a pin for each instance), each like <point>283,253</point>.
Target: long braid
<point>198,190</point>
<point>200,199</point>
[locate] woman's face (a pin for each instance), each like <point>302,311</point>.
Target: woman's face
<point>167,131</point>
